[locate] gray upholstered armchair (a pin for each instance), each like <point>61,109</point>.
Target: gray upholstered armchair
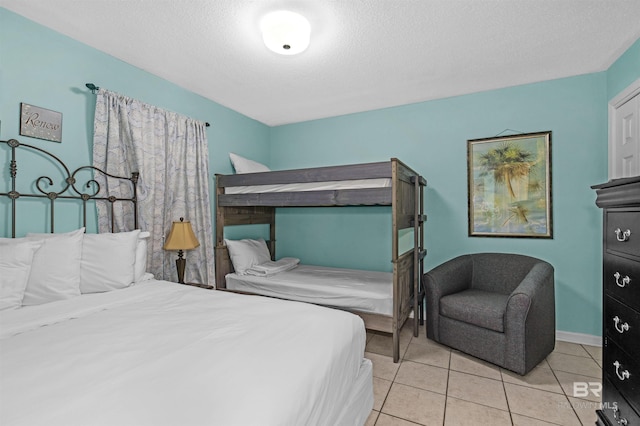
<point>494,306</point>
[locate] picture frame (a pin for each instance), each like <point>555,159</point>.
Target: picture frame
<point>509,186</point>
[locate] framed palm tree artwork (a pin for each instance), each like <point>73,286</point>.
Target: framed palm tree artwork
<point>509,188</point>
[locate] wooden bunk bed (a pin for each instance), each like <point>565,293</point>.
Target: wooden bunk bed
<point>404,193</point>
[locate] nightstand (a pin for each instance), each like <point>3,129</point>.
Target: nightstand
<point>206,286</point>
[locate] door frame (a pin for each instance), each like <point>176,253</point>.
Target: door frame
<point>625,95</point>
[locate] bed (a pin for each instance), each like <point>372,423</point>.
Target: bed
<point>159,353</point>
<point>100,342</point>
<point>252,195</point>
<point>366,291</point>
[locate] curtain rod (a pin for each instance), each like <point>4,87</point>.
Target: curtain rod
<point>94,88</point>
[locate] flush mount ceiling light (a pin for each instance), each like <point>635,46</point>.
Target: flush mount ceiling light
<point>285,32</point>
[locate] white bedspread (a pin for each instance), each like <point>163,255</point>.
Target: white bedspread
<point>160,353</point>
<point>366,291</point>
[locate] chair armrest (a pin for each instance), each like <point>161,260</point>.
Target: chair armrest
<point>530,316</point>
<point>448,278</point>
<point>535,284</point>
<point>533,295</point>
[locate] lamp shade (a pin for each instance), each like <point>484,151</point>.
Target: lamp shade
<point>181,236</point>
<point>285,32</point>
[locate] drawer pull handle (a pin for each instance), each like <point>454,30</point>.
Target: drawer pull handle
<point>625,281</point>
<point>624,327</point>
<point>625,235</point>
<point>620,420</point>
<point>625,373</point>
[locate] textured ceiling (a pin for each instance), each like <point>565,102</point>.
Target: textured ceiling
<point>364,54</point>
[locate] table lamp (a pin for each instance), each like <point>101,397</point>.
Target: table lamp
<point>181,237</point>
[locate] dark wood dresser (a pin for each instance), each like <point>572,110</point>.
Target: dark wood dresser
<point>620,201</point>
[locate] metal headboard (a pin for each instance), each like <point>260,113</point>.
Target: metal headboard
<point>69,191</point>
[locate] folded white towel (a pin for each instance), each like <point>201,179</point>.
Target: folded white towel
<point>270,268</point>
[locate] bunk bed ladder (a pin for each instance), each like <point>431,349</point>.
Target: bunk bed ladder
<point>419,252</point>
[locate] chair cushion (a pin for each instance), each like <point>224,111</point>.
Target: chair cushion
<point>482,308</point>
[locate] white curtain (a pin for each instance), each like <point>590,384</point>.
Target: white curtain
<point>170,152</point>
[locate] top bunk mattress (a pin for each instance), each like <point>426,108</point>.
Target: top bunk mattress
<point>365,291</point>
<point>311,186</point>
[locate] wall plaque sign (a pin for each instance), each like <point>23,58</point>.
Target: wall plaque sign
<point>40,123</point>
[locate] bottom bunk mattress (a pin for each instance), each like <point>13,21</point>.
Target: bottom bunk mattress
<point>160,353</point>
<point>365,291</point>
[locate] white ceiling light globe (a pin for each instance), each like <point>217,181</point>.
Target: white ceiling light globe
<point>285,32</point>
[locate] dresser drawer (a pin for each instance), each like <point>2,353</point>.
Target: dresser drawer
<point>622,232</point>
<point>624,372</point>
<point>622,325</point>
<point>622,279</point>
<point>615,407</point>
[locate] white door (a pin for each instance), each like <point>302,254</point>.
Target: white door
<point>624,142</point>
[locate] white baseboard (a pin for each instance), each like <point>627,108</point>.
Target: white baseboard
<point>580,338</point>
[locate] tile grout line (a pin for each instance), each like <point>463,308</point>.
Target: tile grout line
<point>506,397</point>
<point>393,381</point>
<point>564,393</point>
<point>446,391</point>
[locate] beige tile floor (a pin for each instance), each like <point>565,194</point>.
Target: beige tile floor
<point>434,385</point>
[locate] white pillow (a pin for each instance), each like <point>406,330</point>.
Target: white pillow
<point>141,256</point>
<point>146,277</point>
<point>16,257</point>
<point>108,261</point>
<point>244,165</point>
<point>55,271</point>
<point>247,253</point>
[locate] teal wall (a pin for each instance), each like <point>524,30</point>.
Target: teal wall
<point>624,71</point>
<point>44,68</point>
<point>41,67</point>
<point>431,137</point>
